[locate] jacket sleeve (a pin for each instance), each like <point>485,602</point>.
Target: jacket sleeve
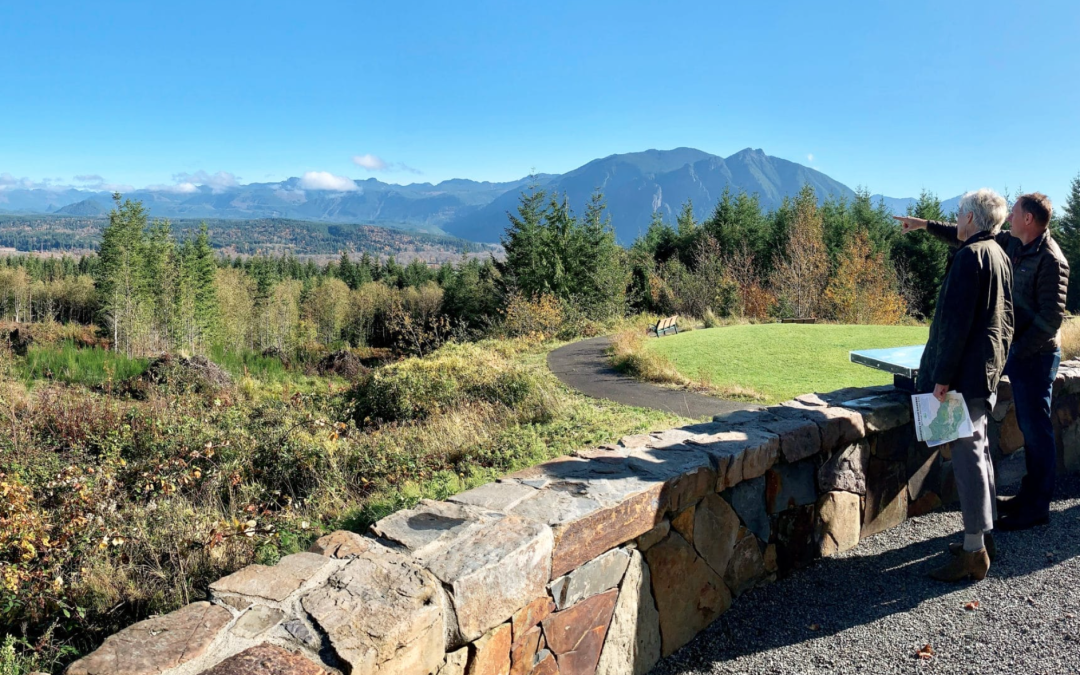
<point>946,232</point>
<point>1051,286</point>
<point>959,306</point>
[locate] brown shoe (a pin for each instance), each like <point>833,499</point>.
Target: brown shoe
<point>988,542</point>
<point>965,565</point>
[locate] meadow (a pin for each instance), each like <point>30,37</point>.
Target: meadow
<point>774,362</point>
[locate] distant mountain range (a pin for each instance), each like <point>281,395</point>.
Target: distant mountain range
<point>634,185</point>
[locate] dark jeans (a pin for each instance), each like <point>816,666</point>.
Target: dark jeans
<point>1032,381</point>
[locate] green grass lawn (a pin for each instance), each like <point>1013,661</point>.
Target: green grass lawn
<point>781,361</point>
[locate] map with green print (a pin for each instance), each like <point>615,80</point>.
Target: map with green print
<point>940,422</point>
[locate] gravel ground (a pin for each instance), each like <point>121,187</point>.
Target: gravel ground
<point>871,609</point>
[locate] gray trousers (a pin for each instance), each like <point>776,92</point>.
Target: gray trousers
<point>974,470</point>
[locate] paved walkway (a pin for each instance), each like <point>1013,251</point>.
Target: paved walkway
<point>870,609</point>
<point>584,366</point>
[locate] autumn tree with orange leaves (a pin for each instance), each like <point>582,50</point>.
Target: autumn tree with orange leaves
<point>863,289</point>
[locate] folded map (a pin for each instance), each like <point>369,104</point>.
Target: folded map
<point>938,422</point>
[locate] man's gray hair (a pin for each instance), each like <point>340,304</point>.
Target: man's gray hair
<point>988,208</point>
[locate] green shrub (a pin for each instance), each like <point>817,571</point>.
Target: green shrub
<point>455,375</point>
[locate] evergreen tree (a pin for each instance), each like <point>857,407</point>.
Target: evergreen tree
<point>602,277</point>
<point>203,270</point>
<point>1067,233</point>
<point>524,267</point>
<point>920,258</point>
<point>122,275</point>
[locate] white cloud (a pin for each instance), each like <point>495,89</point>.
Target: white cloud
<point>376,163</point>
<point>370,162</point>
<point>9,182</point>
<point>178,188</point>
<point>324,180</point>
<point>810,157</point>
<point>217,182</point>
<point>89,178</point>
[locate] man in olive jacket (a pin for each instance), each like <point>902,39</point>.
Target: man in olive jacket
<point>969,342</point>
<point>1040,281</point>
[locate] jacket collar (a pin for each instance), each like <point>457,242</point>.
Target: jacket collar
<point>978,236</point>
<point>1036,244</point>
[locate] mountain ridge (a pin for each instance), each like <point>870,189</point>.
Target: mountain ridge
<point>634,184</point>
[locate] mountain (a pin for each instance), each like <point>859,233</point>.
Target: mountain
<point>899,205</point>
<point>634,184</point>
<point>87,207</point>
<point>637,184</point>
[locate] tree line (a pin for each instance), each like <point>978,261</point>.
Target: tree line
<point>835,259</point>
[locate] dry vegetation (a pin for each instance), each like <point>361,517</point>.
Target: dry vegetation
<point>117,501</point>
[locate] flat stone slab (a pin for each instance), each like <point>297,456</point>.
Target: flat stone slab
<point>739,454</point>
<point>432,526</point>
<point>632,646</point>
<point>596,576</point>
<point>266,659</point>
<point>158,644</point>
<point>375,631</point>
<point>501,496</point>
<point>689,594</point>
<point>274,583</point>
<point>748,500</point>
<point>717,526</point>
<point>494,572</point>
<point>790,485</point>
<point>595,505</point>
<point>576,635</point>
<point>257,621</point>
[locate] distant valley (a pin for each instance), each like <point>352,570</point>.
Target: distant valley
<point>634,185</point>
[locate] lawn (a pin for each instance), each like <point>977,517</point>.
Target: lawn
<point>781,361</point>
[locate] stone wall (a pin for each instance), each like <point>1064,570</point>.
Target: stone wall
<point>597,563</point>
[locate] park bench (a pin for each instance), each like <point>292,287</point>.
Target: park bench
<point>796,319</point>
<point>665,326</point>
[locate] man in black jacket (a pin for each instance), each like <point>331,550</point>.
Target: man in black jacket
<point>969,340</point>
<point>1040,281</point>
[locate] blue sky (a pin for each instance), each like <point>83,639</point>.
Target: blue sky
<point>895,96</point>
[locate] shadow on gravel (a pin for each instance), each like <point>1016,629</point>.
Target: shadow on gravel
<point>835,594</point>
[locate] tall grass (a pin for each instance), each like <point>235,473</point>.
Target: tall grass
<point>69,363</point>
<point>1070,339</point>
<point>248,363</point>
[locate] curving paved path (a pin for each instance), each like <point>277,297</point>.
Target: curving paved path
<point>584,366</point>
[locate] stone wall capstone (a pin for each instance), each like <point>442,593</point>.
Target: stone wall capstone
<point>594,564</point>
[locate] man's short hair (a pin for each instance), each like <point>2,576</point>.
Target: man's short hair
<point>1038,205</point>
<point>988,207</point>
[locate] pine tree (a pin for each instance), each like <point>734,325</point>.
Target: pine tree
<point>122,276</point>
<point>1067,233</point>
<point>203,274</point>
<point>602,276</point>
<point>920,258</point>
<point>523,267</point>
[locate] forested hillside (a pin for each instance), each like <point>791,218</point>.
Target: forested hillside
<point>268,236</point>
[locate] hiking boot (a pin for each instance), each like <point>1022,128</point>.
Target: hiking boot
<point>988,542</point>
<point>1022,521</point>
<point>1007,506</point>
<point>966,565</point>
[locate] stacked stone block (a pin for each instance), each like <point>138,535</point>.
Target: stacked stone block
<point>595,564</point>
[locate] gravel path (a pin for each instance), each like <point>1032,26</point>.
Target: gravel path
<point>584,366</point>
<point>870,609</point>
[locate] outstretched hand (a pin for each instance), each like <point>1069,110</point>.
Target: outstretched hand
<point>910,223</point>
